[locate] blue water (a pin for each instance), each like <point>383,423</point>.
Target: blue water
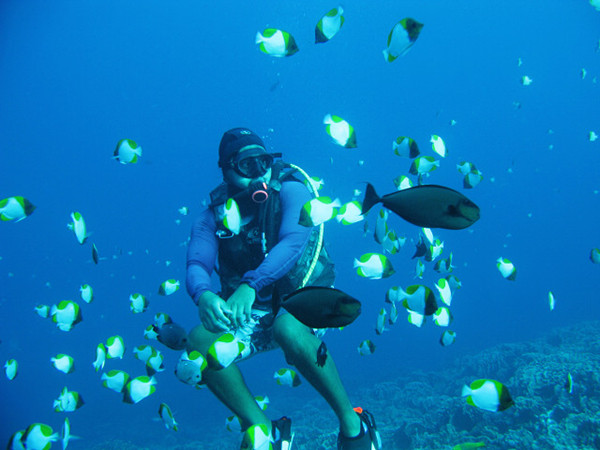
<point>76,77</point>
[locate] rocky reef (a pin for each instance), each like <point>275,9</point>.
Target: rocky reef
<point>425,410</point>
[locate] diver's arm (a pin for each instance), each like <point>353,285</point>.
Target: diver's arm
<point>293,238</point>
<point>201,255</point>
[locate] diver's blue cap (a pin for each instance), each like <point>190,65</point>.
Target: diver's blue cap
<point>235,140</point>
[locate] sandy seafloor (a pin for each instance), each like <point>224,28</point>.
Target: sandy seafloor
<point>76,77</point>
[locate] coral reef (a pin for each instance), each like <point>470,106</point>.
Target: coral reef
<point>429,413</point>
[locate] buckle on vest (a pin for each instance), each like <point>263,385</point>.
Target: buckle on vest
<point>224,234</point>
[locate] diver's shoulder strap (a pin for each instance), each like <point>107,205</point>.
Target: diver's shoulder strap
<point>282,171</point>
<point>218,195</point>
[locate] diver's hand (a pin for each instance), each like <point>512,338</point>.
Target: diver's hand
<point>212,310</point>
<point>240,303</point>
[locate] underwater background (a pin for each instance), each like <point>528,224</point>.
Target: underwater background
<point>77,77</point>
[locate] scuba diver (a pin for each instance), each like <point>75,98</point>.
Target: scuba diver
<point>251,229</point>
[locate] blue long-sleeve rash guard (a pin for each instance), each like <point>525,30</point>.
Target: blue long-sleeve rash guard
<point>292,239</point>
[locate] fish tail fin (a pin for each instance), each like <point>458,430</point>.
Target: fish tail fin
<point>466,390</point>
<point>371,198</point>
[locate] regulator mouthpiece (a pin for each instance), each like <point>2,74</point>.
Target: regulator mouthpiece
<point>259,193</point>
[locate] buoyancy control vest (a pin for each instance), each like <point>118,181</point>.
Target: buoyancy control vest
<point>245,251</point>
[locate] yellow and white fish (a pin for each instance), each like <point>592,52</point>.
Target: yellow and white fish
<point>143,352</point>
<point>115,347</point>
<point>506,268</point>
<point>139,388</point>
<point>366,347</point>
<point>423,165</point>
<point>490,395</point>
<point>138,303</point>
<point>42,311</point>
<point>87,293</point>
<point>350,213</point>
<point>401,38</point>
<point>162,318</point>
<point>315,182</point>
<point>127,151</point>
<point>464,167</point>
<point>287,377</point>
<point>392,243</point>
<point>232,219</point>
<point>472,175</point>
<point>393,313</point>
<point>262,401</point>
<point>14,443</point>
<point>373,266</point>
<point>526,80</point>
<point>95,255</point>
<point>11,368</point>
<point>340,131</point>
<point>405,147</point>
<point>442,317</point>
<point>417,298</point>
<point>38,436</point>
<point>416,319</point>
<point>381,226</point>
<point>329,25</point>
<point>66,315</point>
<point>444,265</point>
<point>318,210</point>
<point>167,417</point>
<point>596,4</point>
<point>77,226</point>
<point>63,362</point>
<point>403,182</point>
<point>551,301</point>
<point>184,210</point>
<point>115,380</point>
<point>428,235</point>
<point>224,351</point>
<point>68,401</point>
<point>454,282</point>
<point>448,337</point>
<point>168,287</point>
<point>419,269</point>
<point>276,42</point>
<point>472,179</point>
<point>257,437</point>
<point>190,366</point>
<point>154,363</point>
<point>65,435</point>
<point>569,383</point>
<point>434,250</point>
<point>595,255</point>
<point>151,332</point>
<point>438,145</point>
<point>232,423</point>
<point>444,292</point>
<point>381,319</point>
<point>100,357</point>
<point>15,209</point>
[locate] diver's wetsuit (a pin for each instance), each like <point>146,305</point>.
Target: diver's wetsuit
<point>292,239</point>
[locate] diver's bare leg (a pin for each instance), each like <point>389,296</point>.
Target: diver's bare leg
<point>228,384</point>
<point>300,348</point>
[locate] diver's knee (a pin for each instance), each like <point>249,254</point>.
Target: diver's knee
<point>200,339</point>
<point>293,337</point>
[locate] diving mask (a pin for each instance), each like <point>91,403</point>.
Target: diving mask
<point>253,163</point>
